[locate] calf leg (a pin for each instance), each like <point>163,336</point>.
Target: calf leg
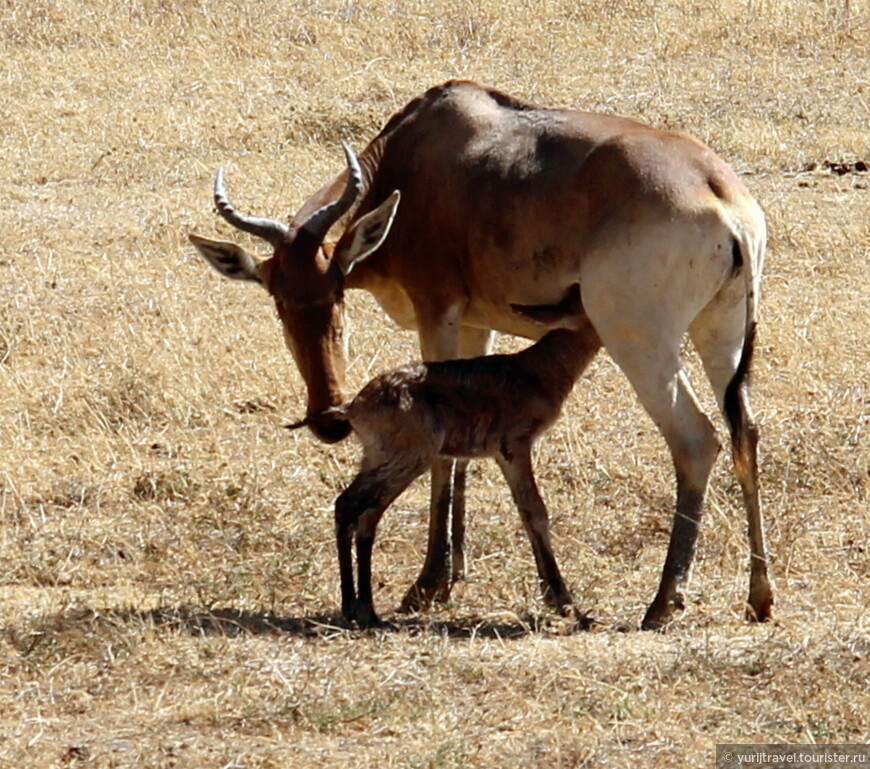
<point>457,522</point>
<point>516,465</point>
<point>358,510</point>
<point>433,583</point>
<point>346,514</point>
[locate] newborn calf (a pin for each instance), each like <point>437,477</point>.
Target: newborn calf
<point>491,406</point>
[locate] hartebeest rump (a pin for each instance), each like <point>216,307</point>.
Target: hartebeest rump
<point>507,204</point>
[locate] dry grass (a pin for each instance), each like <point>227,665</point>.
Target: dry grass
<point>166,560</point>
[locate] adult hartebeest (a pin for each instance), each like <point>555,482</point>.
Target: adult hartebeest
<point>506,205</point>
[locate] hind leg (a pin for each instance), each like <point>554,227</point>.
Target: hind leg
<point>719,336</point>
<point>694,447</point>
<point>650,357</point>
<point>516,465</point>
<point>642,298</point>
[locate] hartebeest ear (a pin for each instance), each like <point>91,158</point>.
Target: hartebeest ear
<point>228,259</point>
<point>367,234</point>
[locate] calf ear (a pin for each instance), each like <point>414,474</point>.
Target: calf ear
<point>228,259</point>
<point>367,234</point>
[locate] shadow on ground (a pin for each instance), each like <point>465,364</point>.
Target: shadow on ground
<point>230,622</point>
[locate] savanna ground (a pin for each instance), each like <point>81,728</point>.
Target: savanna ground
<point>168,587</point>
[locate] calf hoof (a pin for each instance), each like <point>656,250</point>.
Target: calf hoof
<point>363,615</point>
<point>421,596</point>
<point>560,601</point>
<point>578,620</point>
<point>654,623</point>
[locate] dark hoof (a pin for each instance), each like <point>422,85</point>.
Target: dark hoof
<point>661,611</point>
<point>561,602</point>
<point>654,625</point>
<point>421,597</point>
<point>763,612</point>
<point>363,616</point>
<point>575,619</point>
<point>656,618</point>
<point>759,605</point>
<point>583,621</point>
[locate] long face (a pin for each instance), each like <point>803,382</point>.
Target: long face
<point>308,297</point>
<point>306,282</point>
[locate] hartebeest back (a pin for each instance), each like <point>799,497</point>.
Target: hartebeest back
<point>504,203</point>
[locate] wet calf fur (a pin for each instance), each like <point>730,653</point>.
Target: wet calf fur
<point>491,406</point>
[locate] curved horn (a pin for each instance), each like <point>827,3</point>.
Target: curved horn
<point>318,224</point>
<point>269,230</point>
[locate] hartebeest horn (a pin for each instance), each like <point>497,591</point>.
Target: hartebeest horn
<point>269,230</point>
<point>318,224</point>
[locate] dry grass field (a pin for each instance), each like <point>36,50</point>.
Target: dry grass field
<point>168,586</point>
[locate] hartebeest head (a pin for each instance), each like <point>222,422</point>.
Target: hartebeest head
<point>307,281</point>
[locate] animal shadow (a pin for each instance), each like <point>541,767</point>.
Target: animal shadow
<point>231,622</point>
<point>58,629</point>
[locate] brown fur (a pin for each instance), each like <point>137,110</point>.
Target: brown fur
<point>507,206</point>
<point>493,406</point>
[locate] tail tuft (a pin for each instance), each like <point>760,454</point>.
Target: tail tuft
<point>734,411</point>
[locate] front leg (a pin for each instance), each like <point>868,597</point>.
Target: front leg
<point>364,608</point>
<point>434,580</point>
<point>346,514</point>
<point>444,339</point>
<point>376,490</point>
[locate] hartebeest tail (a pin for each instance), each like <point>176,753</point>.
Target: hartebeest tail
<point>749,267</point>
<point>734,412</point>
<point>744,436</point>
